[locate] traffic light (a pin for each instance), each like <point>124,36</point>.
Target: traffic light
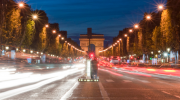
<point>150,58</point>
<point>91,55</point>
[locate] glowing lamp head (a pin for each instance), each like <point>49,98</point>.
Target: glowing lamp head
<point>54,31</point>
<point>168,49</point>
<point>34,16</point>
<point>62,38</point>
<point>59,35</point>
<point>165,54</point>
<point>136,26</point>
<point>120,39</point>
<point>21,4</point>
<point>148,17</point>
<point>125,35</point>
<point>160,7</point>
<point>130,30</point>
<point>47,26</point>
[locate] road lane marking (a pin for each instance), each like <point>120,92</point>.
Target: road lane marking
<point>69,93</point>
<point>109,80</point>
<point>103,92</point>
<point>171,94</point>
<point>127,81</point>
<point>166,92</point>
<point>177,96</point>
<point>144,81</point>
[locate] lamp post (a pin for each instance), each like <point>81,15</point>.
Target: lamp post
<point>148,17</point>
<point>160,7</point>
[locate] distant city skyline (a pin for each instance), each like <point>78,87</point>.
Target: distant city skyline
<point>103,16</point>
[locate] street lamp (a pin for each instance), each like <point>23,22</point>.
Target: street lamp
<point>59,35</point>
<point>159,51</point>
<point>148,17</point>
<point>54,31</point>
<point>152,52</point>
<point>125,35</point>
<point>130,30</point>
<point>120,39</point>
<point>168,49</point>
<point>21,4</point>
<point>47,25</point>
<point>160,7</point>
<point>62,38</point>
<point>34,17</point>
<point>136,26</point>
<point>165,54</point>
<point>7,48</point>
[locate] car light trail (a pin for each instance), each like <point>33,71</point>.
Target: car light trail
<point>14,92</point>
<point>151,70</point>
<point>111,72</point>
<point>33,78</point>
<point>169,70</point>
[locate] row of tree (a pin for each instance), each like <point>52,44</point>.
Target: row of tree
<point>162,31</point>
<point>19,29</point>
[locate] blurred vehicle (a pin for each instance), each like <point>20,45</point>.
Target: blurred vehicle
<point>114,60</point>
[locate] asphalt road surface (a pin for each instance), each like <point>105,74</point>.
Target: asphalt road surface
<point>113,85</point>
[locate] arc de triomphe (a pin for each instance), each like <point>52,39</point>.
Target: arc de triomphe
<point>96,39</point>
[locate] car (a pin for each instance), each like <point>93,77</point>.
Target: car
<point>114,60</point>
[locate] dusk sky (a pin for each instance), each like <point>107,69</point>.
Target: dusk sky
<point>103,16</point>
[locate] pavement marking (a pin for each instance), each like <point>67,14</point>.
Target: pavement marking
<point>127,81</point>
<point>144,81</point>
<point>103,92</point>
<point>166,92</point>
<point>165,83</point>
<point>69,93</point>
<point>109,80</point>
<point>170,94</point>
<point>177,96</point>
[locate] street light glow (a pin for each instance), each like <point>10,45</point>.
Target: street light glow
<point>21,4</point>
<point>148,17</point>
<point>54,31</point>
<point>62,38</point>
<point>120,39</point>
<point>130,30</point>
<point>125,35</point>
<point>160,7</point>
<point>136,26</point>
<point>152,52</point>
<point>165,54</point>
<point>34,16</point>
<point>159,51</point>
<point>47,25</point>
<point>168,49</point>
<point>59,35</point>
